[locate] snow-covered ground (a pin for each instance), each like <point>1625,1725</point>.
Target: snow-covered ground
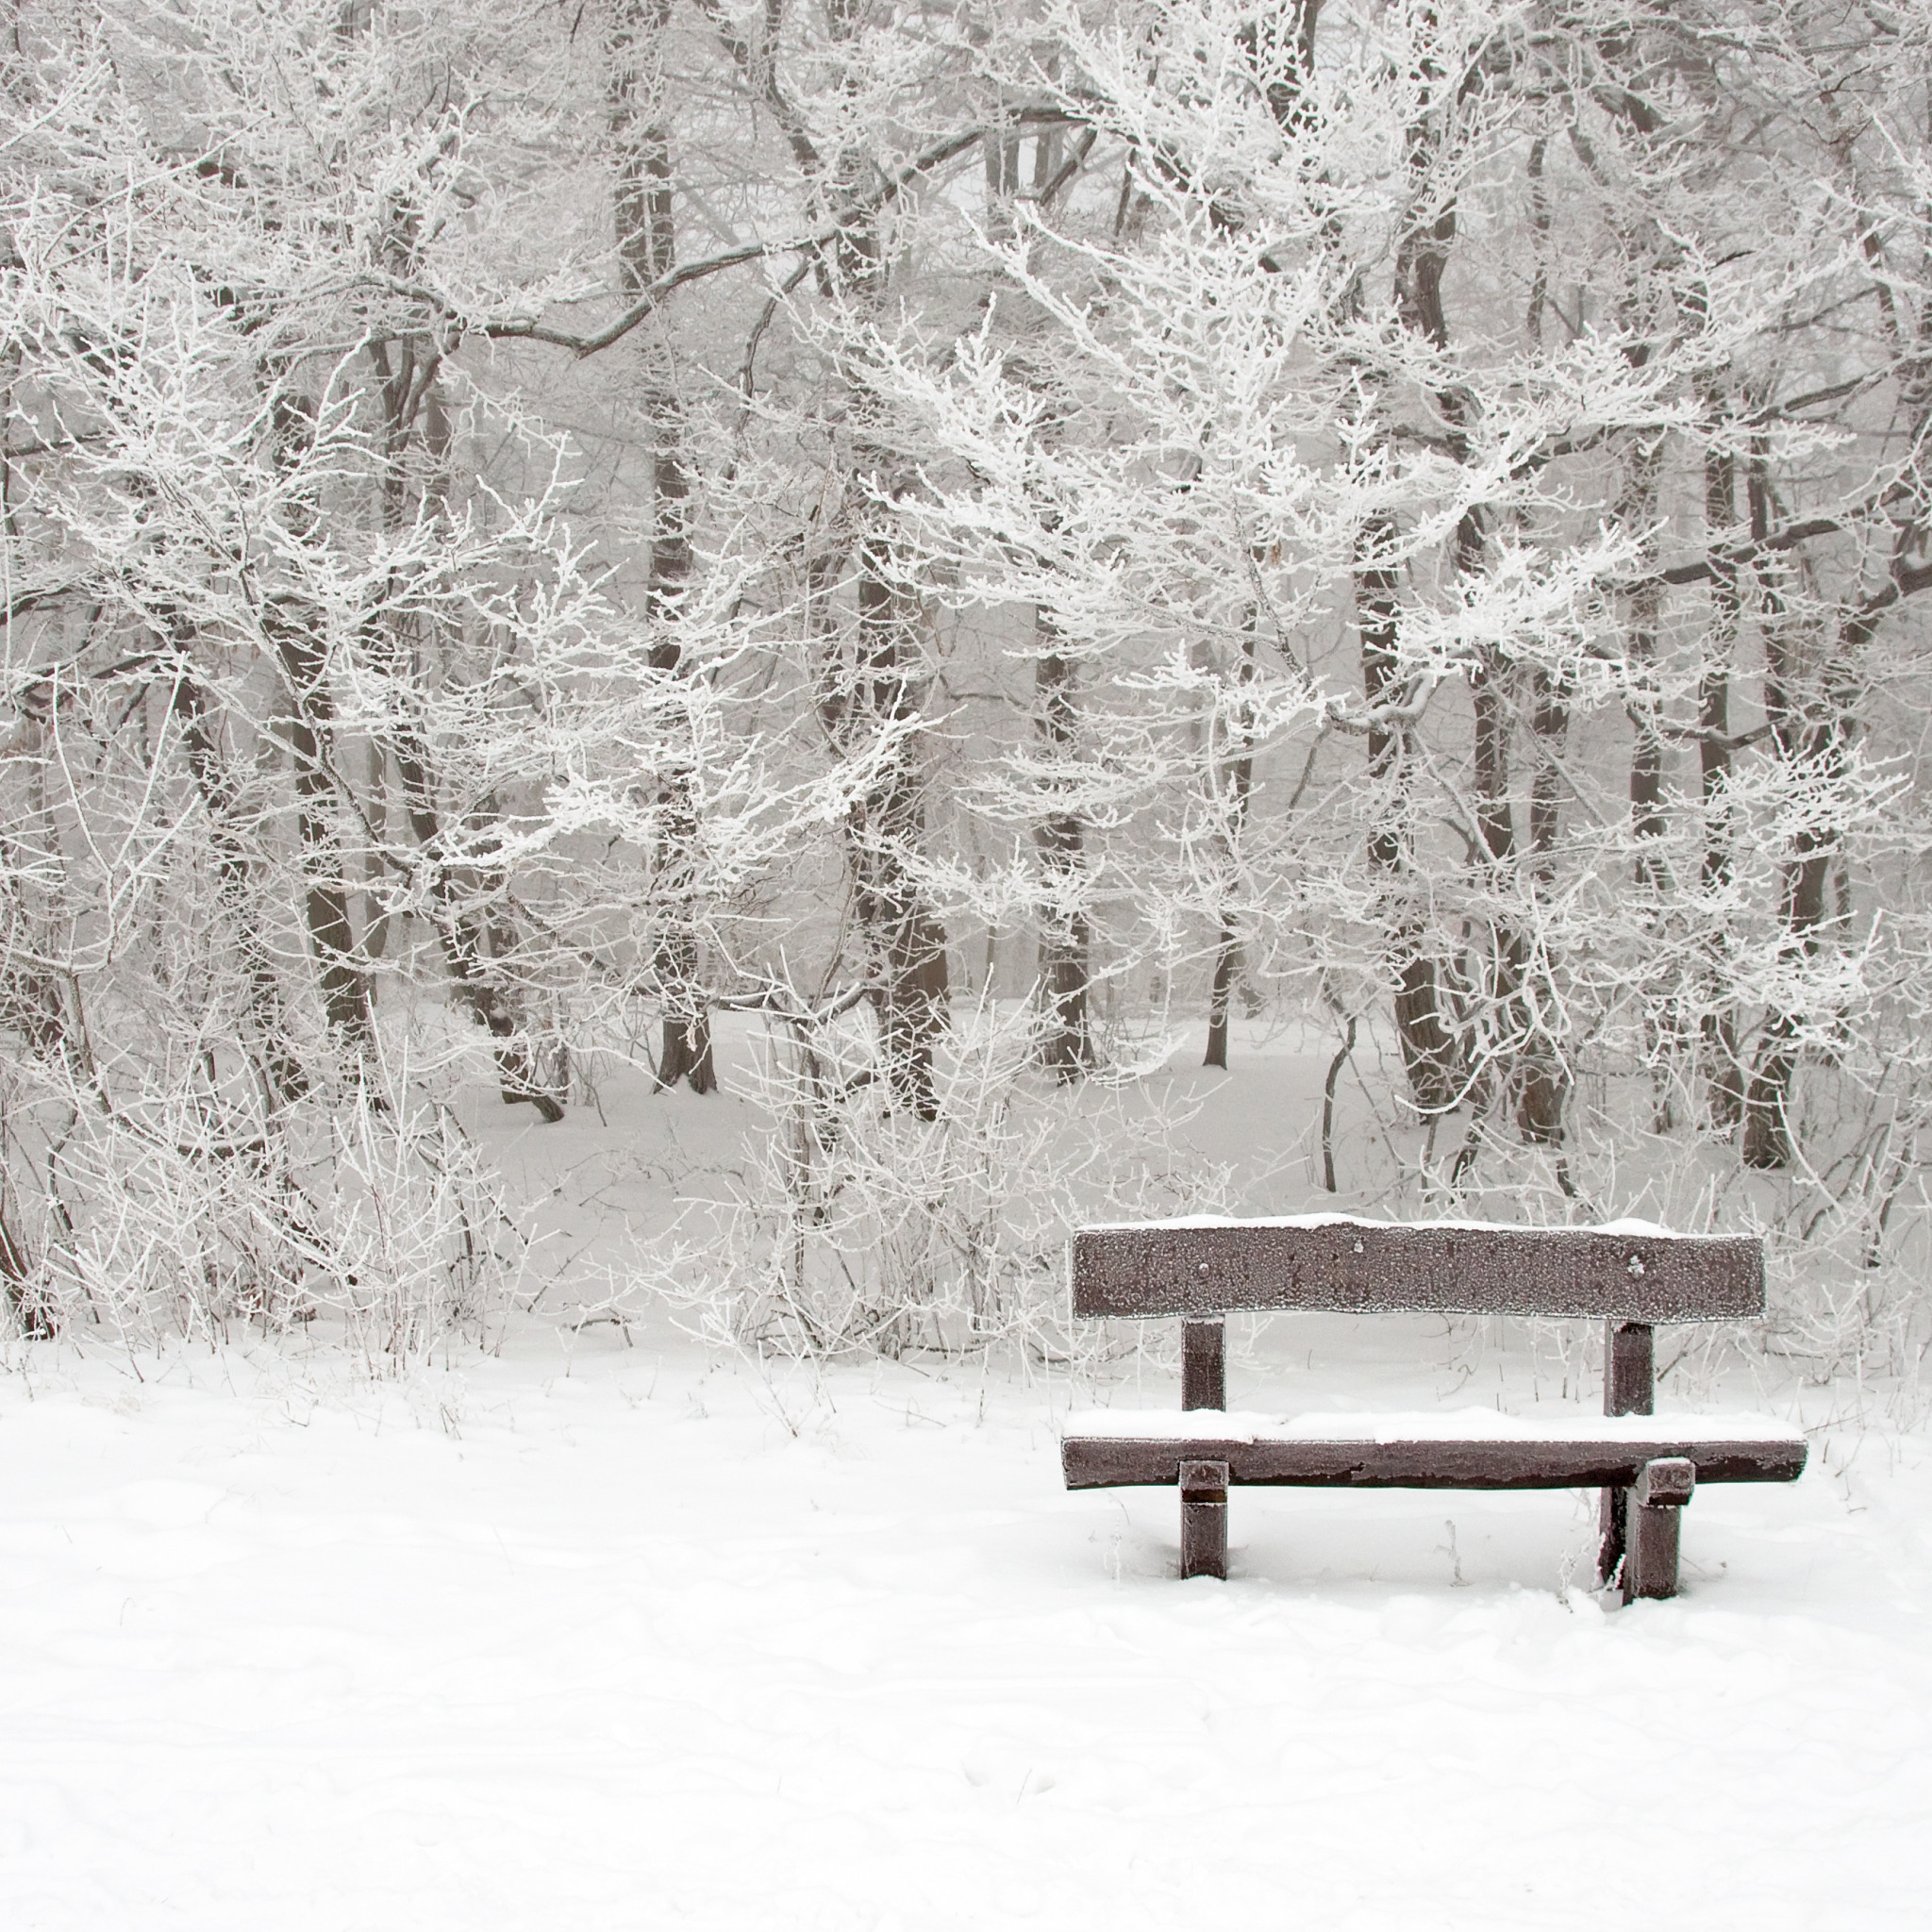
<point>620,1635</point>
<point>654,1643</point>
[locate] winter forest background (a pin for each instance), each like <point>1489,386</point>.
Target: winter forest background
<point>950,548</point>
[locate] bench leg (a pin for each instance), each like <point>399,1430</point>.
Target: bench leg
<point>1612,1525</point>
<point>1203,1519</point>
<point>1629,1389</point>
<point>1656,1516</point>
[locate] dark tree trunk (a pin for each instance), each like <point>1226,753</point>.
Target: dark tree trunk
<point>1545,1079</point>
<point>1227,955</point>
<point>1428,1045</point>
<point>308,730</point>
<point>1807,916</point>
<point>344,986</point>
<point>1804,734</point>
<point>1646,788</point>
<point>878,690</point>
<point>1066,936</point>
<point>1767,1139</point>
<point>1723,1074</point>
<point>1663,1006</point>
<point>241,891</point>
<point>1430,1052</point>
<point>889,828</point>
<point>407,386</point>
<point>647,250</point>
<point>1066,933</point>
<point>458,932</point>
<point>1227,949</point>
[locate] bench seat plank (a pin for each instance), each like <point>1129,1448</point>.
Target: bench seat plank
<point>1475,1449</point>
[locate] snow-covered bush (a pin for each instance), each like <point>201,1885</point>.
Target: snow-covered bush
<point>168,1214</point>
<point>857,1226</point>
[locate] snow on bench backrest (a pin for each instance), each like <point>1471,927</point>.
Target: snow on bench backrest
<point>1629,1271</point>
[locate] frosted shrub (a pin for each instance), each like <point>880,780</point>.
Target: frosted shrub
<point>426,1250</point>
<point>859,1226</point>
<point>1845,1226</point>
<point>380,1224</point>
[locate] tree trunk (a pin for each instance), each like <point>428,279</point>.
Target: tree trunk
<point>1723,1080</point>
<point>293,629</point>
<point>1767,1136</point>
<point>647,250</point>
<point>1428,1046</point>
<point>241,891</point>
<point>1066,937</point>
<point>1429,1049</point>
<point>460,935</point>
<point>1545,1079</point>
<point>344,988</point>
<point>409,390</point>
<point>1636,509</point>
<point>879,690</point>
<point>1241,778</point>
<point>1647,824</point>
<point>908,940</point>
<point>1811,731</point>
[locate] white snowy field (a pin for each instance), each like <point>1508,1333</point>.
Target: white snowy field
<point>652,1643</point>
<point>620,1635</point>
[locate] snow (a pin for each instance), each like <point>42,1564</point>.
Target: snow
<point>1623,1230</point>
<point>657,1642</point>
<point>1423,1426</point>
<point>625,1636</point>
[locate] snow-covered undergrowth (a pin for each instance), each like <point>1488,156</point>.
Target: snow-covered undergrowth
<point>793,1214</point>
<point>187,1216</point>
<point>848,1228</point>
<point>645,1639</point>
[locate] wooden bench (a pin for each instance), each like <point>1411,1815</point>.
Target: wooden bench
<point>1630,1276</point>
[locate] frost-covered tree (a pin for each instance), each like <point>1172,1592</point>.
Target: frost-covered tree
<point>307,692</point>
<point>1402,408</point>
<point>573,522</point>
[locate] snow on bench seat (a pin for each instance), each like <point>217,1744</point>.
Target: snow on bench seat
<point>1469,1448</point>
<point>1420,1426</point>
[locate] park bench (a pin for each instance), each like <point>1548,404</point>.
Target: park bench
<point>1628,1275</point>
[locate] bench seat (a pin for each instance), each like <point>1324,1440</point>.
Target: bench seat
<point>1466,1449</point>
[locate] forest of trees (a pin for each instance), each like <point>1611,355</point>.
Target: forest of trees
<point>979,536</point>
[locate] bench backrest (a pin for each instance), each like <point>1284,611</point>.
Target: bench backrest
<point>1627,1272</point>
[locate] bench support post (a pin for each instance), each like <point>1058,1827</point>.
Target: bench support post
<point>1204,1364</point>
<point>1629,1389</point>
<point>1655,1515</point>
<point>1203,1519</point>
<point>1204,1485</point>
